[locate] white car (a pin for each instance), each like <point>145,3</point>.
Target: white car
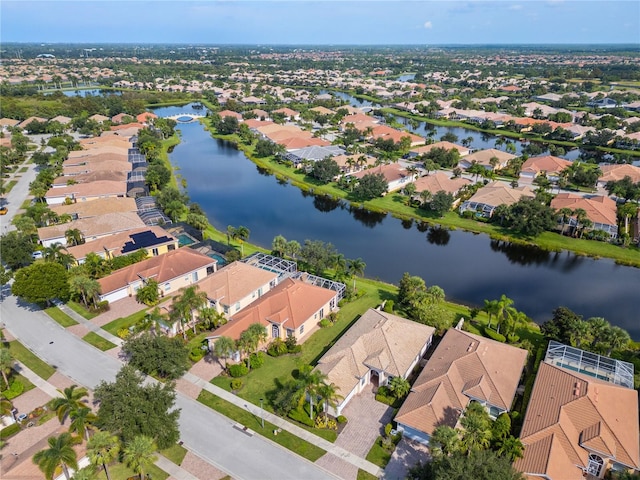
<point>36,255</point>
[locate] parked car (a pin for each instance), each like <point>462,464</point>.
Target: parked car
<point>3,211</point>
<point>36,255</point>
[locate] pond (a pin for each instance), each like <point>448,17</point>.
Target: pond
<point>469,267</point>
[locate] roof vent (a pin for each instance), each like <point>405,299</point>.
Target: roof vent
<point>470,346</point>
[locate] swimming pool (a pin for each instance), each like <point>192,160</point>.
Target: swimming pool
<point>184,239</point>
<point>221,260</point>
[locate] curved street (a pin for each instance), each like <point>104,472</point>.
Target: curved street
<point>203,431</point>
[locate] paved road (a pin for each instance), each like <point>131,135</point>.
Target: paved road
<point>202,430</point>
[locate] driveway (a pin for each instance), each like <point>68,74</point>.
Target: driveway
<point>205,432</point>
<point>407,454</point>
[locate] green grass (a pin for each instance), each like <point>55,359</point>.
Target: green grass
<point>97,341</point>
<point>81,310</point>
<point>164,156</point>
<point>284,438</point>
<point>175,453</point>
<point>26,204</point>
<point>120,471</point>
<point>9,186</point>
<point>60,317</point>
<point>378,455</point>
<point>23,170</point>
<point>22,354</point>
<point>364,475</point>
<point>124,322</point>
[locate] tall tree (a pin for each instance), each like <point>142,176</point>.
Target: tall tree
<point>184,305</point>
<point>6,364</point>
<point>60,454</point>
<point>476,434</point>
<point>328,393</point>
<point>102,449</point>
<point>309,380</point>
<point>166,357</point>
<point>82,421</point>
<point>41,283</point>
<point>224,348</point>
<point>444,440</point>
<point>72,399</point>
<point>139,454</point>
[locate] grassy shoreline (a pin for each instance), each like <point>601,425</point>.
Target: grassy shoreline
<point>393,204</point>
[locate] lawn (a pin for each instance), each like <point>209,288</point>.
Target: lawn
<point>378,455</point>
<point>120,471</point>
<point>23,170</point>
<point>124,322</point>
<point>81,310</point>
<point>97,341</point>
<point>9,186</point>
<point>283,438</point>
<point>175,453</point>
<point>22,354</point>
<point>364,475</point>
<point>60,317</point>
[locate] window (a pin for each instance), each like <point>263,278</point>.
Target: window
<point>237,306</point>
<point>321,313</point>
<point>226,309</point>
<point>260,291</point>
<point>275,331</point>
<point>595,465</point>
<point>167,287</point>
<point>154,252</point>
<point>290,332</point>
<point>301,329</point>
<point>194,277</point>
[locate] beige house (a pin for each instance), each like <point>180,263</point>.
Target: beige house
<point>83,192</point>
<point>417,151</point>
<point>486,199</point>
<point>618,172</point>
<point>577,425</point>
<point>395,175</point>
<point>548,165</point>
<point>237,285</point>
<point>292,308</point>
<point>464,367</point>
<point>378,347</point>
<point>97,207</point>
<point>601,211</point>
<point>440,181</point>
<point>173,271</point>
<point>484,158</point>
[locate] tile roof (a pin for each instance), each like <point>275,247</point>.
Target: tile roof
<point>599,209</point>
<point>546,163</point>
<point>496,193</point>
<point>618,172</point>
<point>106,224</point>
<point>440,181</point>
<point>391,172</point>
<point>125,242</point>
<point>568,414</point>
<point>97,207</point>
<point>89,190</point>
<point>462,366</point>
<point>378,339</point>
<point>235,281</point>
<point>446,145</point>
<point>162,268</point>
<point>92,176</point>
<point>291,303</point>
<point>483,157</point>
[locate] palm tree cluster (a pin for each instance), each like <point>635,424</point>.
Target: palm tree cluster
<point>248,344</point>
<point>312,384</point>
<point>506,315</point>
<point>102,447</point>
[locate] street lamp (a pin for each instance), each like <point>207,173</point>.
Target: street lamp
<point>261,414</point>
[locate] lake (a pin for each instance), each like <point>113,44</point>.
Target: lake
<point>469,267</point>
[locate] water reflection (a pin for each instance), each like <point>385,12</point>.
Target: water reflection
<point>325,204</point>
<point>521,254</point>
<point>367,218</point>
<point>407,223</point>
<point>438,236</point>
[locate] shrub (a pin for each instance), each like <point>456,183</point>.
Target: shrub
<point>123,333</point>
<point>236,384</point>
<point>388,306</point>
<point>238,370</point>
<point>513,338</point>
<point>101,307</point>
<point>256,360</point>
<point>386,400</point>
<point>498,337</point>
<point>10,431</point>
<point>196,353</point>
<point>292,342</point>
<point>16,388</point>
<point>387,429</point>
<point>384,391</point>
<point>342,419</point>
<point>325,422</point>
<point>299,415</point>
<point>324,323</point>
<point>277,348</point>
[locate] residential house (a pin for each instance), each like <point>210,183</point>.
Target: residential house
<point>237,285</point>
<point>605,102</point>
<point>322,110</point>
<point>92,228</point>
<point>288,113</point>
<point>154,239</point>
<point>440,181</point>
<point>378,347</point>
<point>485,158</point>
<point>417,151</point>
<point>82,192</point>
<point>600,210</point>
<point>99,118</point>
<point>96,208</point>
<point>353,163</point>
<point>614,173</point>
<point>229,113</point>
<point>291,308</point>
<point>487,198</point>
<point>173,270</point>
<point>5,123</point>
<point>582,417</point>
<point>145,117</point>
<point>395,175</point>
<point>62,120</point>
<point>313,153</point>
<point>547,164</point>
<point>25,123</point>
<point>463,367</point>
<point>387,133</point>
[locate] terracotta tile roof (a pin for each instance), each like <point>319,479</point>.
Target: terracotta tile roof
<point>125,130</point>
<point>96,142</point>
<point>599,209</point>
<point>496,193</point>
<point>61,119</point>
<point>229,113</point>
<point>462,366</point>
<point>99,162</point>
<point>483,157</point>
<point>546,163</point>
<point>287,111</point>
<point>618,172</point>
<point>97,207</point>
<point>89,190</point>
<point>295,143</point>
<point>92,151</point>
<point>125,242</point>
<point>391,172</point>
<point>106,224</point>
<point>8,122</point>
<point>290,304</point>
<point>235,281</point>
<point>26,122</point>
<point>255,123</point>
<point>446,145</point>
<point>440,181</point>
<point>162,268</point>
<point>322,110</point>
<point>144,117</point>
<point>568,414</point>
<point>274,127</point>
<point>385,132</point>
<point>95,176</point>
<point>381,340</point>
<point>289,133</point>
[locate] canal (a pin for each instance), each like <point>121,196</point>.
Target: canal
<point>469,267</point>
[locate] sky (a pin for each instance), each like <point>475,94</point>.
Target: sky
<point>328,22</point>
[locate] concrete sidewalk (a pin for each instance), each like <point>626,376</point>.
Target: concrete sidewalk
<point>92,327</point>
<point>339,452</point>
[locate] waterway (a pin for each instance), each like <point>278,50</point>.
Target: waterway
<point>469,267</point>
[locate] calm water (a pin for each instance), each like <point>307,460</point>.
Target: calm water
<point>469,267</point>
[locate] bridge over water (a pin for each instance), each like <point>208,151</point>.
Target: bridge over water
<point>185,117</point>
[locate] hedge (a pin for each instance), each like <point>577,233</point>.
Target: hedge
<point>10,431</point>
<point>238,370</point>
<point>16,389</point>
<point>498,337</point>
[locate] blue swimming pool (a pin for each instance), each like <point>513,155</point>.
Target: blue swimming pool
<point>221,260</point>
<point>184,239</point>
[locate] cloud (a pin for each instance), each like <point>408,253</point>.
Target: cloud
<point>428,24</point>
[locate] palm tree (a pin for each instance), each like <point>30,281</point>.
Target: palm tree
<point>103,448</point>
<point>425,196</point>
<point>566,215</point>
<point>59,454</point>
<point>72,399</point>
<point>410,191</point>
<point>399,387</point>
<point>511,448</point>
<point>328,393</point>
<point>445,440</point>
<point>242,234</point>
<point>82,420</point>
<point>185,304</point>
<point>490,307</point>
<point>616,338</point>
<point>86,287</point>
<point>339,263</point>
<point>224,348</point>
<point>211,318</point>
<point>279,245</point>
<point>139,454</point>
<point>308,382</point>
<point>477,431</point>
<point>52,252</point>
<point>356,268</point>
<point>74,236</point>
<point>581,217</point>
<point>6,364</point>
<point>502,309</point>
<point>86,473</point>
